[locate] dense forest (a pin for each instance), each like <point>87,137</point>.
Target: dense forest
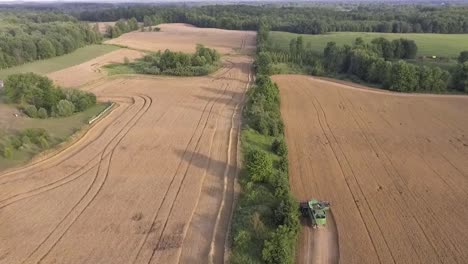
<point>308,20</point>
<point>29,36</point>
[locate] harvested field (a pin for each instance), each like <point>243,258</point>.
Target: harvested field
<point>183,37</point>
<point>153,182</point>
<point>393,166</point>
<point>91,70</point>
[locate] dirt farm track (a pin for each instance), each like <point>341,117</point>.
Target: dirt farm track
<point>153,182</point>
<point>393,166</point>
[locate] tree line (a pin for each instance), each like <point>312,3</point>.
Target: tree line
<point>369,63</point>
<point>266,220</point>
<point>122,26</point>
<point>38,97</point>
<point>34,36</point>
<point>305,20</point>
<point>381,62</point>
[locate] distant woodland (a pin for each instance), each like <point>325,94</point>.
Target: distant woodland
<point>307,20</point>
<point>27,36</point>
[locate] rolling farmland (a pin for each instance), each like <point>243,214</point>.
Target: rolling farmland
<point>153,182</point>
<point>392,165</point>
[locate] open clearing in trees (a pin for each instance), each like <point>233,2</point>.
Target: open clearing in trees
<point>153,182</point>
<point>393,166</point>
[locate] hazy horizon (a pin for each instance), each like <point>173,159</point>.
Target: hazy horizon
<point>224,1</point>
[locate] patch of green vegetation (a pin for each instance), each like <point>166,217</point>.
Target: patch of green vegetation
<point>288,68</point>
<point>445,64</point>
<point>57,63</point>
<point>440,45</point>
<point>202,62</point>
<point>19,150</point>
<point>266,215</point>
<point>114,69</point>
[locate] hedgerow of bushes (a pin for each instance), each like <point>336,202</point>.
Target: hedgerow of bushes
<point>266,221</point>
<point>38,97</point>
<point>202,62</point>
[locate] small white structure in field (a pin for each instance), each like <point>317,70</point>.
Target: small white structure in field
<point>1,84</point>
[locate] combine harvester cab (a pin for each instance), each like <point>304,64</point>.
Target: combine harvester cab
<point>315,210</point>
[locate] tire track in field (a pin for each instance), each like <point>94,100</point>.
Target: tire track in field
<point>344,177</point>
<point>69,155</point>
<point>227,244</point>
<point>211,254</point>
<point>398,187</point>
<point>153,221</point>
<point>226,177</point>
<point>404,186</point>
<point>197,148</point>
<point>357,182</point>
<point>64,180</point>
<point>147,105</point>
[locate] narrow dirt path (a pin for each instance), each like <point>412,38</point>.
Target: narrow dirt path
<point>320,245</point>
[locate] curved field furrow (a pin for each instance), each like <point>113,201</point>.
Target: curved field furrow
<point>56,158</point>
<point>97,183</point>
<point>392,165</point>
<point>150,182</point>
<point>201,126</point>
<point>59,182</point>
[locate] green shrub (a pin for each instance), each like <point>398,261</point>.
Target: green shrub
<point>279,147</point>
<point>43,143</point>
<point>25,140</point>
<point>15,142</point>
<point>283,164</point>
<point>42,113</point>
<point>31,111</point>
<point>278,248</point>
<point>8,152</point>
<point>65,108</point>
<point>259,165</point>
<point>34,134</point>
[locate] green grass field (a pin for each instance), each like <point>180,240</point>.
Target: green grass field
<point>59,129</point>
<point>440,45</point>
<point>54,64</point>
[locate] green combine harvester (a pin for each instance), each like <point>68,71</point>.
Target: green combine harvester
<point>316,211</point>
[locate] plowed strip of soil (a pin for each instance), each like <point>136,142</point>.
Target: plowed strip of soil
<point>393,166</point>
<point>153,182</point>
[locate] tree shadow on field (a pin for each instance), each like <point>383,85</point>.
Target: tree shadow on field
<point>219,100</point>
<point>213,167</point>
<point>236,94</point>
<point>204,222</point>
